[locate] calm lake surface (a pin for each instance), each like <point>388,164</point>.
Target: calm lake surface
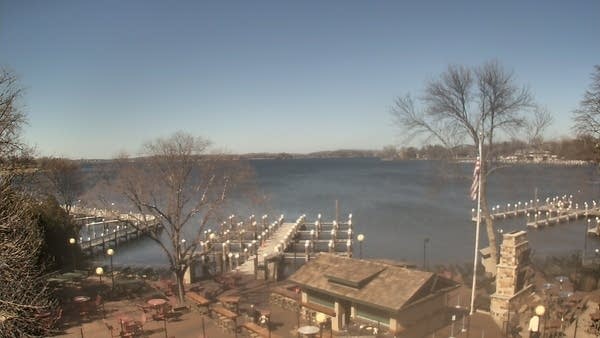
<point>398,204</point>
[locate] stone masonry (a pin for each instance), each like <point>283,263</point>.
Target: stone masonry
<point>512,278</point>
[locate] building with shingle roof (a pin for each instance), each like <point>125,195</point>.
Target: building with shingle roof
<point>347,289</point>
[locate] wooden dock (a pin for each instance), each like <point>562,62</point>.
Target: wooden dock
<point>507,213</point>
<point>540,221</point>
<point>539,214</point>
<point>302,239</point>
<point>114,232</point>
<point>101,228</point>
<point>276,243</point>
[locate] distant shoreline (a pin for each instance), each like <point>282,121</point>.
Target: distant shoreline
<point>578,163</point>
<point>367,154</point>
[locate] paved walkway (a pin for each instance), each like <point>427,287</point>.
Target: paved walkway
<point>284,234</point>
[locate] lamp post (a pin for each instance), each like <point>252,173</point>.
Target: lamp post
<point>72,242</point>
<point>110,252</point>
<point>425,241</point>
<point>587,227</point>
<point>360,239</point>
<point>100,272</point>
<point>299,302</point>
<point>540,310</point>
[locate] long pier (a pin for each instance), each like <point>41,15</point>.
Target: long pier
<point>277,243</point>
<point>101,228</point>
<point>250,246</point>
<point>539,214</point>
<point>555,218</point>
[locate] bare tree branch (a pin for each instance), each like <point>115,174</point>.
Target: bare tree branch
<point>464,102</point>
<point>23,289</point>
<point>62,179</point>
<point>587,116</point>
<point>536,125</point>
<point>183,187</point>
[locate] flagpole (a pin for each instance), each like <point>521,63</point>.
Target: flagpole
<point>476,256</point>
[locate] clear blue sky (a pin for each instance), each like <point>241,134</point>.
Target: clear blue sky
<point>105,76</point>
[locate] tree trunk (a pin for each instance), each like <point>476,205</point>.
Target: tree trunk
<point>180,290</point>
<point>489,222</point>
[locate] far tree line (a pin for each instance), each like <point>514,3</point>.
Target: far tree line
<point>581,148</point>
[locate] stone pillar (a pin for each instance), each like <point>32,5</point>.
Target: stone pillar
<point>511,276</point>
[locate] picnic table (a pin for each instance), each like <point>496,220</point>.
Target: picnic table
<point>201,303</point>
<point>226,319</point>
<point>255,330</point>
<point>230,302</point>
<point>221,311</point>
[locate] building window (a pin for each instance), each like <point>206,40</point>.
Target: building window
<point>321,299</point>
<point>373,315</point>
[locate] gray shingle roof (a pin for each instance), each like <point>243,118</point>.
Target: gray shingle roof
<point>377,284</point>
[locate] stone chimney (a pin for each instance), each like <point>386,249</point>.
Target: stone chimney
<point>512,278</point>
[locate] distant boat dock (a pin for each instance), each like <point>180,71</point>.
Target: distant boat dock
<point>101,228</point>
<point>549,212</point>
<point>241,244</point>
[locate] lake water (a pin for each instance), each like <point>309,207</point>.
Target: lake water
<point>396,205</point>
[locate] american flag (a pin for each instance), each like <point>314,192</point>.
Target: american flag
<point>475,184</point>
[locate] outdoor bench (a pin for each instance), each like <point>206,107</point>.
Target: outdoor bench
<point>201,303</point>
<point>255,330</point>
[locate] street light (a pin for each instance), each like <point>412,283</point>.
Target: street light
<point>540,310</point>
<point>360,239</point>
<point>100,272</point>
<point>110,252</point>
<point>587,228</point>
<point>72,242</point>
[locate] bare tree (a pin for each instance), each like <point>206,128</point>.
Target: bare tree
<point>23,291</point>
<point>536,125</point>
<point>12,118</point>
<point>61,178</point>
<point>587,117</point>
<point>184,187</point>
<point>466,104</point>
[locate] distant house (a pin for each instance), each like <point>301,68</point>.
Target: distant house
<point>409,303</point>
<point>532,156</point>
